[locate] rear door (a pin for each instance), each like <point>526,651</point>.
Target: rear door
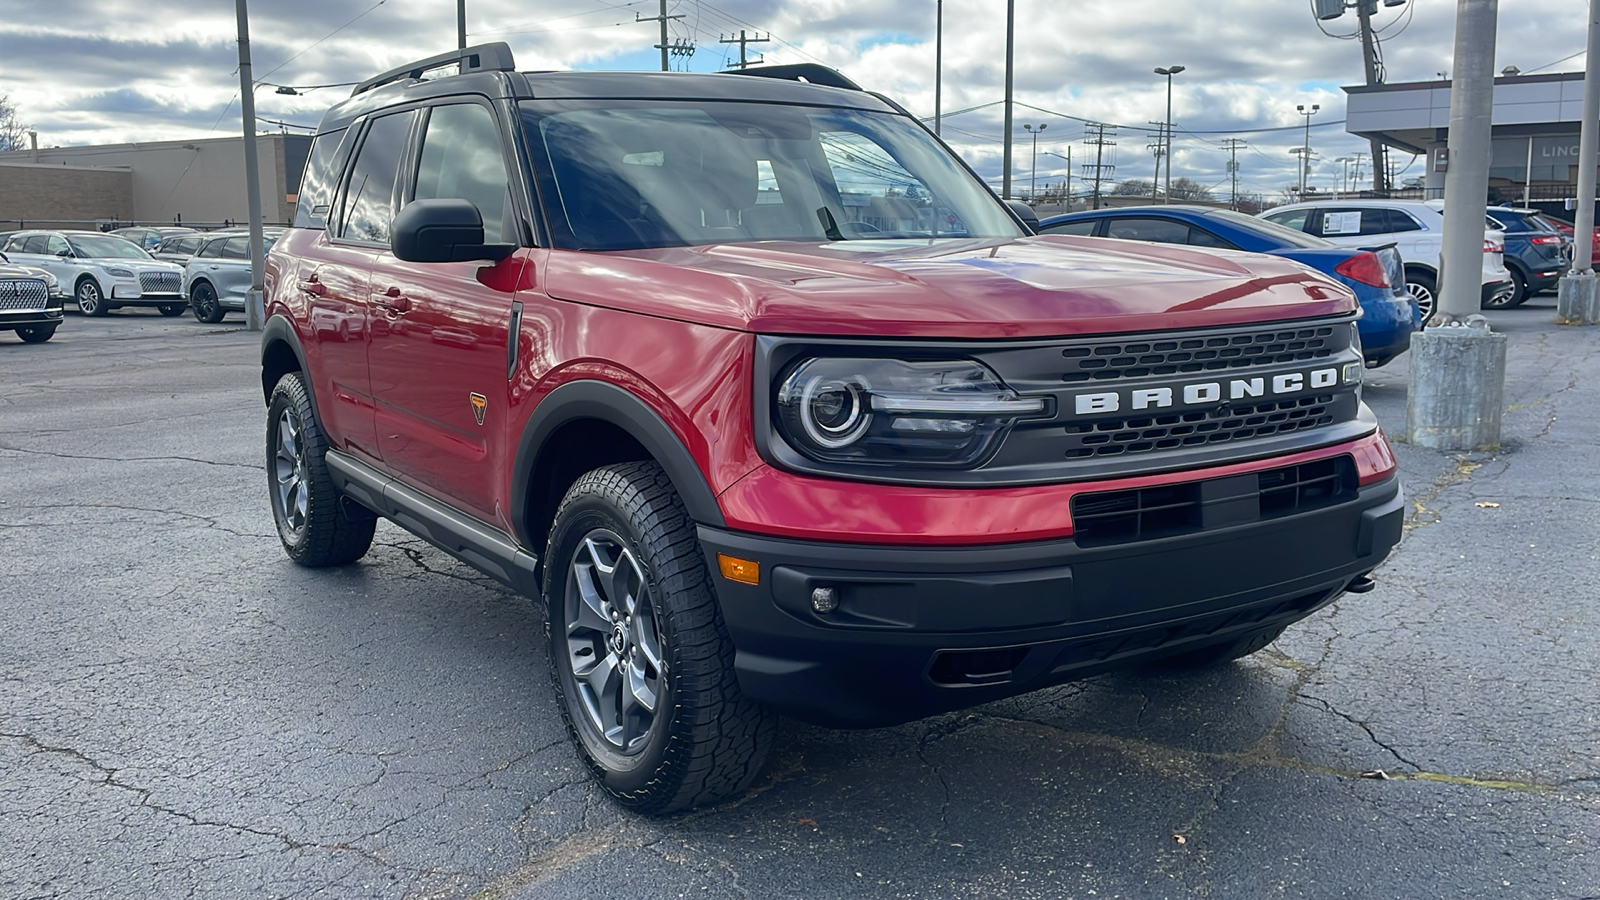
<point>440,331</point>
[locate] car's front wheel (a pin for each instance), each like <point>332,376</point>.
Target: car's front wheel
<point>203,300</point>
<point>317,526</point>
<point>641,657</point>
<point>91,302</point>
<point>36,334</point>
<point>170,309</point>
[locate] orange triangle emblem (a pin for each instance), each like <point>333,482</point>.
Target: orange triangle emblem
<point>480,404</point>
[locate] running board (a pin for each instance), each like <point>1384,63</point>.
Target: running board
<point>475,543</point>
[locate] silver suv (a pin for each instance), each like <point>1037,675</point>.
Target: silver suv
<point>217,277</point>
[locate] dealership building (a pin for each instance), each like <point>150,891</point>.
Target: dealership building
<point>1535,133</point>
<point>192,182</point>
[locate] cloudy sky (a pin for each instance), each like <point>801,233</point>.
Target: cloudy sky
<point>97,71</point>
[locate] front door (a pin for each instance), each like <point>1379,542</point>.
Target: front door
<point>440,331</point>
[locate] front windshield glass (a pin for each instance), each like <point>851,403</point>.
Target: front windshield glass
<point>620,175</point>
<point>1271,229</point>
<point>105,246</point>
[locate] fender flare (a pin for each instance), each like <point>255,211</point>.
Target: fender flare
<point>278,329</point>
<point>604,401</point>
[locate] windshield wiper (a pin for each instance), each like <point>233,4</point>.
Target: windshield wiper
<point>830,228</point>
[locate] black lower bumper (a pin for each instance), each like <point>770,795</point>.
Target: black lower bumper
<point>30,319</point>
<point>925,630</point>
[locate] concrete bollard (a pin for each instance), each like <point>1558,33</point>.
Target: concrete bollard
<point>1456,394</point>
<point>1578,300</point>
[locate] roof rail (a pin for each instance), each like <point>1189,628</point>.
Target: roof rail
<point>495,57</point>
<point>808,72</point>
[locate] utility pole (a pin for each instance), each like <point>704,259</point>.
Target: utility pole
<point>1011,31</point>
<point>253,308</point>
<point>1156,150</point>
<point>1578,299</point>
<point>1066,188</point>
<point>1232,145</point>
<point>741,40</point>
<point>461,24</point>
<point>1344,175</point>
<point>1374,71</point>
<point>938,64</point>
<point>664,46</point>
<point>1458,366</point>
<point>1169,71</point>
<point>1305,151</point>
<point>1033,162</point>
<point>1100,141</point>
<point>1355,176</point>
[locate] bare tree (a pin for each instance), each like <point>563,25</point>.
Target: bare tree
<point>1133,187</point>
<point>1189,189</point>
<point>13,131</point>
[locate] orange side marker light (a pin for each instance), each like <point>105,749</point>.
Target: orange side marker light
<point>744,571</point>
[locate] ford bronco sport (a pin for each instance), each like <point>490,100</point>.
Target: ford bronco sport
<point>780,410</point>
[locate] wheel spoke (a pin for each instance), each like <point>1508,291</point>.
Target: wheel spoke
<point>644,637</point>
<point>591,611</point>
<point>639,689</point>
<point>625,583</point>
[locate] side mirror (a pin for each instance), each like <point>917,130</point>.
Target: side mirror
<point>1025,212</point>
<point>442,231</point>
<point>64,254</point>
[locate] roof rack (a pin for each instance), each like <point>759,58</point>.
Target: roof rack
<point>808,72</point>
<point>495,57</point>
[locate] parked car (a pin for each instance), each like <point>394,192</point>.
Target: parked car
<point>30,301</point>
<point>1566,228</point>
<point>179,247</point>
<point>105,271</point>
<point>149,237</point>
<point>1375,273</point>
<point>1416,227</point>
<point>217,278</point>
<point>625,349</point>
<point>1537,253</point>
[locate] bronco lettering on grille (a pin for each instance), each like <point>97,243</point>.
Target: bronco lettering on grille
<point>1204,393</point>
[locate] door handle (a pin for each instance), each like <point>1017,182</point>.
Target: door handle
<point>395,301</point>
<point>312,286</point>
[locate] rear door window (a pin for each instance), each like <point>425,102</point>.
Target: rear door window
<point>369,195</point>
<point>212,249</point>
<point>1294,218</point>
<point>35,243</point>
<point>1401,221</point>
<point>236,247</point>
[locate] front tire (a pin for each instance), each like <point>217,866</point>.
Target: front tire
<point>170,309</point>
<point>317,527</point>
<point>641,659</point>
<point>91,302</point>
<point>36,334</point>
<point>203,300</point>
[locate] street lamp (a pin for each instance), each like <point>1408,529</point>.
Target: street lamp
<point>1305,151</point>
<point>1169,71</point>
<point>1033,162</point>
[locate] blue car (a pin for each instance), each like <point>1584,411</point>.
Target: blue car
<point>1375,274</point>
<point>1537,253</point>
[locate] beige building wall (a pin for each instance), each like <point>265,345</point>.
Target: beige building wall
<point>198,182</point>
<point>63,196</point>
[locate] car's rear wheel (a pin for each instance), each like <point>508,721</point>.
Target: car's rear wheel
<point>91,301</point>
<point>641,658</point>
<point>1223,652</point>
<point>203,300</point>
<point>1422,287</point>
<point>170,309</point>
<point>316,525</point>
<point>36,334</point>
<point>1515,297</point>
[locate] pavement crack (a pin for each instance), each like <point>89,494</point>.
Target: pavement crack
<point>206,462</point>
<point>1364,727</point>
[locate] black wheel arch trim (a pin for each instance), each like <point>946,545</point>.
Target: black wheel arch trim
<point>277,330</point>
<point>606,402</point>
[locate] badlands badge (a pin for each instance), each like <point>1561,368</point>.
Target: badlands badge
<point>480,403</point>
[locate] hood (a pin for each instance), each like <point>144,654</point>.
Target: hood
<point>1032,287</point>
<point>11,270</point>
<point>137,265</point>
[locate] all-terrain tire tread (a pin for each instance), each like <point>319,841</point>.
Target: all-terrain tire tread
<point>333,536</point>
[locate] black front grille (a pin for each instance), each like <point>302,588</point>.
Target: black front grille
<point>23,294</point>
<point>1109,361</point>
<point>1116,517</point>
<point>1115,437</point>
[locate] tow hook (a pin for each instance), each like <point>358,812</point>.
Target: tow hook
<point>1361,584</point>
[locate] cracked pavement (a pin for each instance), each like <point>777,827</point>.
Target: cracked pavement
<point>184,713</point>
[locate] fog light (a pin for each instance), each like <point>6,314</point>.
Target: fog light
<point>824,599</point>
<point>744,571</point>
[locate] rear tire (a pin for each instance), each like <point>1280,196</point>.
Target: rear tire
<point>1213,655</point>
<point>316,525</point>
<point>36,334</point>
<point>1424,288</point>
<point>1518,296</point>
<point>641,659</point>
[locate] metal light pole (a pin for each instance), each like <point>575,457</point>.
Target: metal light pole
<point>938,64</point>
<point>1305,151</point>
<point>1033,162</point>
<point>1066,188</point>
<point>1455,398</point>
<point>1344,178</point>
<point>1005,165</point>
<point>461,24</point>
<point>1578,299</point>
<point>1169,71</point>
<point>253,311</point>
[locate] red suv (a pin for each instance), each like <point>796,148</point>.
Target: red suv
<point>780,410</point>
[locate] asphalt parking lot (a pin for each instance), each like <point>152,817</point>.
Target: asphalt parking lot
<point>185,713</point>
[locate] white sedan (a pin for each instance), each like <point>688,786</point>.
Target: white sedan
<point>104,272</point>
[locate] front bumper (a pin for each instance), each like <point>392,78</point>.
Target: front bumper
<point>30,318</point>
<point>920,631</point>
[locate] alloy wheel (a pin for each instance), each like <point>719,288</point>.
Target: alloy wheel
<point>1424,298</point>
<point>613,641</point>
<point>289,473</point>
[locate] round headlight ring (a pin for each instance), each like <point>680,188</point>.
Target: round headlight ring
<point>842,403</point>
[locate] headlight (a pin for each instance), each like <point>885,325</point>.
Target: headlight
<point>897,412</point>
<point>118,273</point>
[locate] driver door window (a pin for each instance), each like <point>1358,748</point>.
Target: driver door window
<point>877,193</point>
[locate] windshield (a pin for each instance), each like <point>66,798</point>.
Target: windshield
<point>105,247</point>
<point>620,175</point>
<point>1271,229</point>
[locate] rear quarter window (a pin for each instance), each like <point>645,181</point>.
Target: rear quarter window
<point>323,166</point>
<point>1084,228</point>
